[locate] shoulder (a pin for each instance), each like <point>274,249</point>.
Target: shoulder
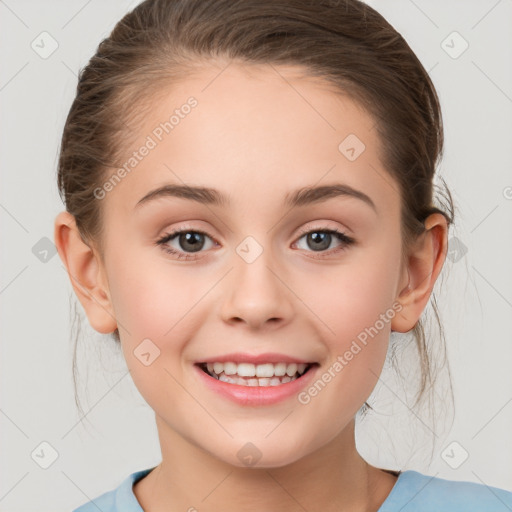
<point>417,492</point>
<point>120,499</point>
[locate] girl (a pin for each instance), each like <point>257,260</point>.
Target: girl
<point>249,210</point>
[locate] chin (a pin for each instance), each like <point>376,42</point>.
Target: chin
<point>261,455</point>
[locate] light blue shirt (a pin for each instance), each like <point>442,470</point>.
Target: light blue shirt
<point>412,492</point>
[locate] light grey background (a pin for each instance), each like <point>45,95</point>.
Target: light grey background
<point>37,402</point>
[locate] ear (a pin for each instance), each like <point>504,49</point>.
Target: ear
<point>86,273</point>
<point>423,266</point>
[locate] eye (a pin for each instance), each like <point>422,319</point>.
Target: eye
<point>321,239</point>
<point>189,240</point>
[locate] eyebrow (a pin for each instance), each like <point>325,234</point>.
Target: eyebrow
<point>301,197</point>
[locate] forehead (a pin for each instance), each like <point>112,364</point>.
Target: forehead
<point>254,132</point>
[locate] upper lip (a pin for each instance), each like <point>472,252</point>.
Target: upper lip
<point>269,357</point>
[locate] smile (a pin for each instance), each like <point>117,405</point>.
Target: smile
<point>261,375</point>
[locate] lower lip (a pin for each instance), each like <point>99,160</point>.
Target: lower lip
<point>257,395</point>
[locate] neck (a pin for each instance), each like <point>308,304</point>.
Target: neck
<point>335,477</point>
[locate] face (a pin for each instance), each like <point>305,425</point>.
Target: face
<point>254,278</point>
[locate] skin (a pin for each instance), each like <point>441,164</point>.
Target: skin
<point>257,133</point>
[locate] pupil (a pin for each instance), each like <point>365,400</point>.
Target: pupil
<point>193,239</point>
<point>320,237</point>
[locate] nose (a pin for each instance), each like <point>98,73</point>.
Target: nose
<point>257,294</point>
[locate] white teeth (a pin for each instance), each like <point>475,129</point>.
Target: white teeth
<point>265,370</point>
<point>245,369</point>
<point>248,374</point>
<point>280,369</point>
<point>291,370</point>
<point>229,368</point>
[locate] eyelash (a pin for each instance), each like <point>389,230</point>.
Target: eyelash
<point>342,237</point>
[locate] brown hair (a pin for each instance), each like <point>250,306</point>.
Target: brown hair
<point>347,43</point>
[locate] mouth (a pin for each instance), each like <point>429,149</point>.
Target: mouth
<point>256,375</point>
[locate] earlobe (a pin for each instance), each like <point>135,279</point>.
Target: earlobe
<point>424,265</point>
<point>85,272</point>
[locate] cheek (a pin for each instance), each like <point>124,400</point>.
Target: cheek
<point>352,300</point>
<point>151,300</point>
<point>162,303</point>
<point>152,305</point>
<point>354,305</point>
